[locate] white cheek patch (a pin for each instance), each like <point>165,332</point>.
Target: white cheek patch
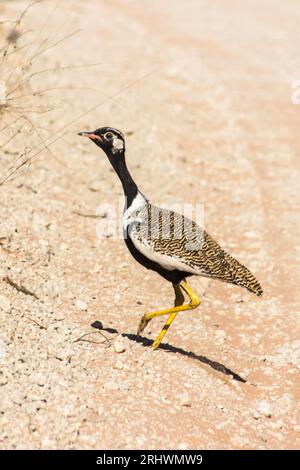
<point>117,145</point>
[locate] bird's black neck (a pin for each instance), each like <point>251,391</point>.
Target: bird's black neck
<point>129,186</point>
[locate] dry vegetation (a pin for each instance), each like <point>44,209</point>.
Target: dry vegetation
<point>23,96</point>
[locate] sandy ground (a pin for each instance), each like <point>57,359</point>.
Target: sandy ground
<point>203,92</point>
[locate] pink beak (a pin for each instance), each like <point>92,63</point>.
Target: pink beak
<point>91,136</point>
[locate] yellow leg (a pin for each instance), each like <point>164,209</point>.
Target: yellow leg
<point>172,312</point>
<point>179,299</point>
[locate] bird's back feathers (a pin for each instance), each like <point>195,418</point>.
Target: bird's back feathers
<point>176,242</point>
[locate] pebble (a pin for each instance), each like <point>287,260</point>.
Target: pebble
<point>119,365</point>
<point>296,428</point>
<point>262,408</point>
<point>40,379</point>
<point>185,400</point>
<point>119,346</point>
<point>81,305</point>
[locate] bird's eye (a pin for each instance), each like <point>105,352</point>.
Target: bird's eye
<point>108,136</point>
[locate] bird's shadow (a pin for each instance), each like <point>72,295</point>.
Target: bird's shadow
<point>173,349</point>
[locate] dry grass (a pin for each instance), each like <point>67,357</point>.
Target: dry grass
<point>23,99</point>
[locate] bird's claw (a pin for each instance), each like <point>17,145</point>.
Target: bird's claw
<point>143,323</point>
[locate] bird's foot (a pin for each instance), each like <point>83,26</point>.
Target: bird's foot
<point>160,337</point>
<point>156,343</point>
<point>143,323</point>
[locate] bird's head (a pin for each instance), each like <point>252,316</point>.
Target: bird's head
<point>109,139</point>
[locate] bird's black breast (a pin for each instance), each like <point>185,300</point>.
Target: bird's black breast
<point>175,276</point>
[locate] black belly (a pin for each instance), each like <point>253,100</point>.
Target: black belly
<point>174,276</point>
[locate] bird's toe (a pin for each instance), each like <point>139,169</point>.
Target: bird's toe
<point>142,326</point>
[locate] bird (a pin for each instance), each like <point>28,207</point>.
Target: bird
<point>167,242</point>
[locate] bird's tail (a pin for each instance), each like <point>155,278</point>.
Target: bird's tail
<point>244,278</point>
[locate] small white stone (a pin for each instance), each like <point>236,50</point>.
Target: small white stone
<point>255,414</point>
<point>119,346</point>
<point>264,408</point>
<point>296,428</point>
<point>185,400</point>
<point>40,379</point>
<point>119,365</point>
<point>81,305</point>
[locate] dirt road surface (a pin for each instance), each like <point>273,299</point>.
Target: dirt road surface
<point>203,91</point>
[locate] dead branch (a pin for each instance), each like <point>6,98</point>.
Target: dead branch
<point>19,287</point>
